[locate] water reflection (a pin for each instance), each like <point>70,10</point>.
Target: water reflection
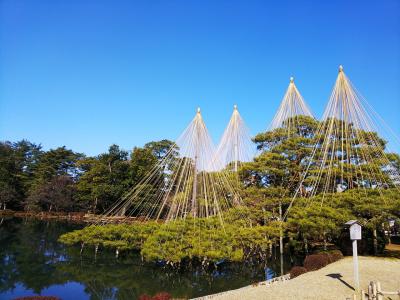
<point>33,262</point>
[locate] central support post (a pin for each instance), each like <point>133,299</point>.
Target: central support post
<point>236,139</point>
<point>194,191</point>
<point>196,146</point>
<point>236,157</point>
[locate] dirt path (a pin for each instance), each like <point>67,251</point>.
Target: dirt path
<point>335,282</point>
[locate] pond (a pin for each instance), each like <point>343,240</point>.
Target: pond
<point>33,262</point>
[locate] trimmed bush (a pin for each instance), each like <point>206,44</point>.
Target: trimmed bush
<point>315,261</point>
<point>328,256</point>
<point>336,255</point>
<point>158,296</point>
<point>296,271</point>
<point>162,296</point>
<point>332,255</point>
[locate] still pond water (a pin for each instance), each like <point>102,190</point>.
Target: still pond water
<point>33,262</point>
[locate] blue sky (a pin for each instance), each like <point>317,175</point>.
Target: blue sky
<point>87,74</point>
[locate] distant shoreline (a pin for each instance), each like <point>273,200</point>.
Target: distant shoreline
<point>77,217</point>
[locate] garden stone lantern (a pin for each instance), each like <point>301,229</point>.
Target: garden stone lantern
<point>355,234</point>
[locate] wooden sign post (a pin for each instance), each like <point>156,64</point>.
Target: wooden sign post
<point>355,234</point>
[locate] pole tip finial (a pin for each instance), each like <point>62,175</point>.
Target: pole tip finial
<point>198,110</point>
<point>291,79</point>
<point>235,107</point>
<point>340,68</point>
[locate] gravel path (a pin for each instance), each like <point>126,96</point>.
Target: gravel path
<point>335,281</point>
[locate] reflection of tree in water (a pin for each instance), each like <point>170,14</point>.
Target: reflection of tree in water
<point>131,278</point>
<point>29,252</point>
<point>7,267</point>
<point>30,255</point>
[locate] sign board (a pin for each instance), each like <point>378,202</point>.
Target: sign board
<point>355,232</point>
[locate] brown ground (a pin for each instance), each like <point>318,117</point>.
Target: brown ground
<point>335,282</point>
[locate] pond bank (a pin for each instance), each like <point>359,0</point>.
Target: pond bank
<point>334,281</point>
<point>71,216</point>
<point>79,217</point>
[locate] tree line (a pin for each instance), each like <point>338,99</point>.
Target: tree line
<point>63,180</point>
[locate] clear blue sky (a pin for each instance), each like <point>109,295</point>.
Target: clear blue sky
<point>87,74</point>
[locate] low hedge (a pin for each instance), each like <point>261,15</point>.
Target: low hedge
<point>335,255</point>
<point>315,261</point>
<point>296,271</point>
<point>158,296</point>
<point>332,255</point>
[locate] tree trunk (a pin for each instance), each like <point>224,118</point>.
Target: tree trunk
<point>95,205</point>
<point>325,242</point>
<point>265,220</point>
<point>270,249</point>
<point>281,237</point>
<point>388,231</point>
<point>96,248</point>
<point>375,239</point>
<point>305,245</point>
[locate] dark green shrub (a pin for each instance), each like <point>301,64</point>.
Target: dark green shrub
<point>315,261</point>
<point>296,271</point>
<point>395,240</point>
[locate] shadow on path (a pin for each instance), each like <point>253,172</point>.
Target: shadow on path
<point>338,276</point>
